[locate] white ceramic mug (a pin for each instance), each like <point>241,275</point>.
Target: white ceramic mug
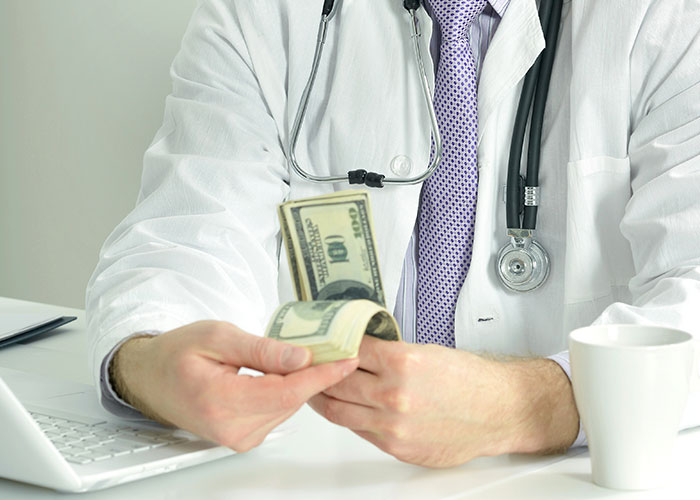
<point>631,385</point>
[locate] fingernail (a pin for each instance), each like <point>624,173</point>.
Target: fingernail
<point>294,357</point>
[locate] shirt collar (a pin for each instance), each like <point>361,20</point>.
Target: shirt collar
<point>499,6</point>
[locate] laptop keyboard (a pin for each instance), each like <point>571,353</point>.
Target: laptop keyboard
<point>91,441</point>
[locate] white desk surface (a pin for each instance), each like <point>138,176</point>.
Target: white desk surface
<point>322,461</point>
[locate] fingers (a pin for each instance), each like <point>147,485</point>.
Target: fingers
<point>308,382</point>
<point>377,355</point>
<point>352,416</point>
<point>228,344</point>
<point>247,408</point>
<point>256,437</point>
<point>198,387</point>
<point>275,393</point>
<point>256,405</point>
<point>243,433</point>
<point>370,354</point>
<point>206,396</point>
<point>360,387</point>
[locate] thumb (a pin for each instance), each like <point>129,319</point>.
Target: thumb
<point>236,347</point>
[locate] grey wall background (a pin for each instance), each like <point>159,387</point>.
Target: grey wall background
<point>82,88</point>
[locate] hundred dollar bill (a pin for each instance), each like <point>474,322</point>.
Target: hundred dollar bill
<point>331,249</point>
<point>333,330</point>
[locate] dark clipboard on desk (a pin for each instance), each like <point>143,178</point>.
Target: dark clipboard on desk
<point>20,328</point>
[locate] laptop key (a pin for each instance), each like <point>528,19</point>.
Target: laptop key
<point>127,429</point>
<point>134,446</point>
<point>74,435</point>
<point>97,455</point>
<point>137,439</point>
<point>67,442</point>
<point>60,420</point>
<point>91,443</point>
<point>82,429</point>
<point>64,426</point>
<point>160,444</point>
<point>77,452</point>
<point>155,434</point>
<point>117,450</point>
<point>105,435</point>
<point>172,439</point>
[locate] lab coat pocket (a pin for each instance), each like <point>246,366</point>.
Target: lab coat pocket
<point>598,258</point>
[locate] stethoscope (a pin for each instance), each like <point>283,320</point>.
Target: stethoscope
<point>370,179</point>
<point>523,263</point>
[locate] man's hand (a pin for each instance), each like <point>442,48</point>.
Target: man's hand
<point>189,378</point>
<point>440,407</point>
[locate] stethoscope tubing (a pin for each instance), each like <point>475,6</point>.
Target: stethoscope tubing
<point>538,108</point>
<point>535,87</point>
<point>329,10</point>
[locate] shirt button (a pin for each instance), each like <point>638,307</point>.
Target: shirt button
<point>401,166</point>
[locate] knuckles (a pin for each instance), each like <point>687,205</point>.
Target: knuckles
<point>404,365</point>
<point>397,400</point>
<point>397,433</point>
<point>405,361</point>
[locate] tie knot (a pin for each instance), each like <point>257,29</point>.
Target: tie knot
<point>455,17</point>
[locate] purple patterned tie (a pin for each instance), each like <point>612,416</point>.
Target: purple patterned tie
<point>448,198</point>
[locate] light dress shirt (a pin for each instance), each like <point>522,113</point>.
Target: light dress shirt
<point>481,34</point>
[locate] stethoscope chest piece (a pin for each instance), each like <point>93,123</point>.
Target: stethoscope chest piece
<point>523,264</point>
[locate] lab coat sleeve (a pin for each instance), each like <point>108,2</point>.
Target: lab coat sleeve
<point>662,219</point>
<point>203,239</point>
<point>109,397</point>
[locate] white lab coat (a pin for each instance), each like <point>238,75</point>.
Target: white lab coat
<point>620,176</point>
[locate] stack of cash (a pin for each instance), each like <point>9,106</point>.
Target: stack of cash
<point>332,329</point>
<point>330,247</point>
<point>334,268</point>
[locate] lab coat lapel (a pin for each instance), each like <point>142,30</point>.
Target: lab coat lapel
<point>514,48</point>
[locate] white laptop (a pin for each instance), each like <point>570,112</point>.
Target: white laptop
<point>55,434</point>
